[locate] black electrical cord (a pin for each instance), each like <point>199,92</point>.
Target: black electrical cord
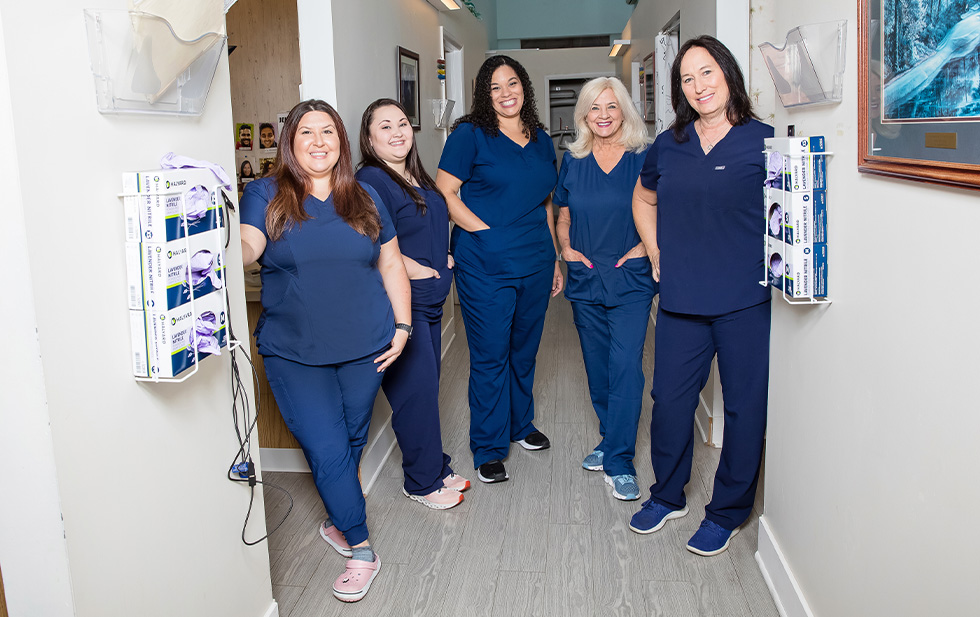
<point>242,463</point>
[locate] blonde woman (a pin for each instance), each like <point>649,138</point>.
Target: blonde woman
<point>610,281</point>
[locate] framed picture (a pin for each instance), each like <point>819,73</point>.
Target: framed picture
<point>918,104</point>
<point>408,86</point>
<point>649,88</point>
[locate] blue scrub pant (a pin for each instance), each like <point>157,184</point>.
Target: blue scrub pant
<point>411,385</point>
<point>328,409</point>
<point>612,346</point>
<point>504,319</point>
<point>685,345</point>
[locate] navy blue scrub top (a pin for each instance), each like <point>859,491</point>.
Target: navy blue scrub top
<point>422,237</point>
<point>601,208</point>
<point>323,300</point>
<point>710,219</point>
<point>506,186</point>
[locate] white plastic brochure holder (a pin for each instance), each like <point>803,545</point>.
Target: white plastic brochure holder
<point>809,68</point>
<point>141,66</point>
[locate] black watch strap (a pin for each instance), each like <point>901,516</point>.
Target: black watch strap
<point>406,327</point>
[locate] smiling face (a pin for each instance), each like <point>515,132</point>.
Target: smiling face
<point>506,92</point>
<point>391,134</point>
<point>703,83</point>
<point>245,137</point>
<point>605,117</point>
<point>267,137</point>
<point>316,145</point>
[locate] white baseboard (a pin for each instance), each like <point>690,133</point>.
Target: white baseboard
<point>283,459</point>
<point>273,610</point>
<point>785,591</point>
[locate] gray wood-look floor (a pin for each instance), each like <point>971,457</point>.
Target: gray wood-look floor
<point>551,541</point>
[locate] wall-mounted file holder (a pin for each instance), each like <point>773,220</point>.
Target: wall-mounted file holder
<point>141,66</point>
<point>442,112</point>
<point>809,68</point>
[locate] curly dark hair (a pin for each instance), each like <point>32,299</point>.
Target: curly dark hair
<point>482,114</point>
<point>739,108</point>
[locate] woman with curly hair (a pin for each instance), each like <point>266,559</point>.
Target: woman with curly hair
<point>503,162</point>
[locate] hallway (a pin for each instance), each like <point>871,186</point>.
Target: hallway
<point>551,541</point>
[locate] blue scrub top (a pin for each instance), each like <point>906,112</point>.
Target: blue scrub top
<point>506,186</point>
<point>601,208</point>
<point>424,238</point>
<point>710,219</point>
<point>323,300</point>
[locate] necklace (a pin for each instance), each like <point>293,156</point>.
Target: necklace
<point>704,138</point>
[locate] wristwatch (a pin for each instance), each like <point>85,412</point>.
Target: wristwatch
<point>406,327</point>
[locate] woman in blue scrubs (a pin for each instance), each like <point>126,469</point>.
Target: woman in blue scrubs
<point>390,164</point>
<point>610,282</point>
<point>335,310</point>
<point>699,208</point>
<point>503,163</point>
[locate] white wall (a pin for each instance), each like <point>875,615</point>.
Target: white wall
<point>150,524</point>
<point>366,37</point>
<point>871,486</point>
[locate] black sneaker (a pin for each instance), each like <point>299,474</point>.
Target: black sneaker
<point>492,471</point>
<point>535,441</point>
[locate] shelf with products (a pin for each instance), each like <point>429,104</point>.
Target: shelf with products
<point>795,210</point>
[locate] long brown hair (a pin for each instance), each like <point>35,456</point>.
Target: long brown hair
<point>350,200</point>
<point>413,164</point>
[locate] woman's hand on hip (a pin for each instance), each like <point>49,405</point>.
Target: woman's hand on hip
<point>424,272</point>
<point>398,343</point>
<point>558,282</point>
<point>637,251</point>
<point>570,254</point>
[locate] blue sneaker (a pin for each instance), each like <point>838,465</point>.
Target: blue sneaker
<point>624,487</point>
<point>593,462</point>
<point>710,539</point>
<point>653,517</point>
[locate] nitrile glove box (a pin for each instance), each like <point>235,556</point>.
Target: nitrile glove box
<point>164,342</point>
<point>788,167</point>
<point>159,202</point>
<point>163,275</point>
<point>804,268</point>
<point>775,263</point>
<point>800,217</point>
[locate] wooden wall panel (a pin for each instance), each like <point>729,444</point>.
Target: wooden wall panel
<point>272,430</point>
<point>3,599</point>
<point>265,69</point>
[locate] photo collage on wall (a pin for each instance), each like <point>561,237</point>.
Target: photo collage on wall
<point>256,146</point>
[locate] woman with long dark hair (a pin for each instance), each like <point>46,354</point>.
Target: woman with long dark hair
<point>335,314</point>
<point>503,162</point>
<point>390,164</point>
<point>698,206</point>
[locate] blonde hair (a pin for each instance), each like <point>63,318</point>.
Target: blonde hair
<point>634,132</point>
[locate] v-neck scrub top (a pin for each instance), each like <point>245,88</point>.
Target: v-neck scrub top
<point>506,186</point>
<point>602,229</point>
<point>323,299</point>
<point>710,219</point>
<point>422,237</point>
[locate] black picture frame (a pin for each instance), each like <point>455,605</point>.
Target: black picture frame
<point>409,92</point>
